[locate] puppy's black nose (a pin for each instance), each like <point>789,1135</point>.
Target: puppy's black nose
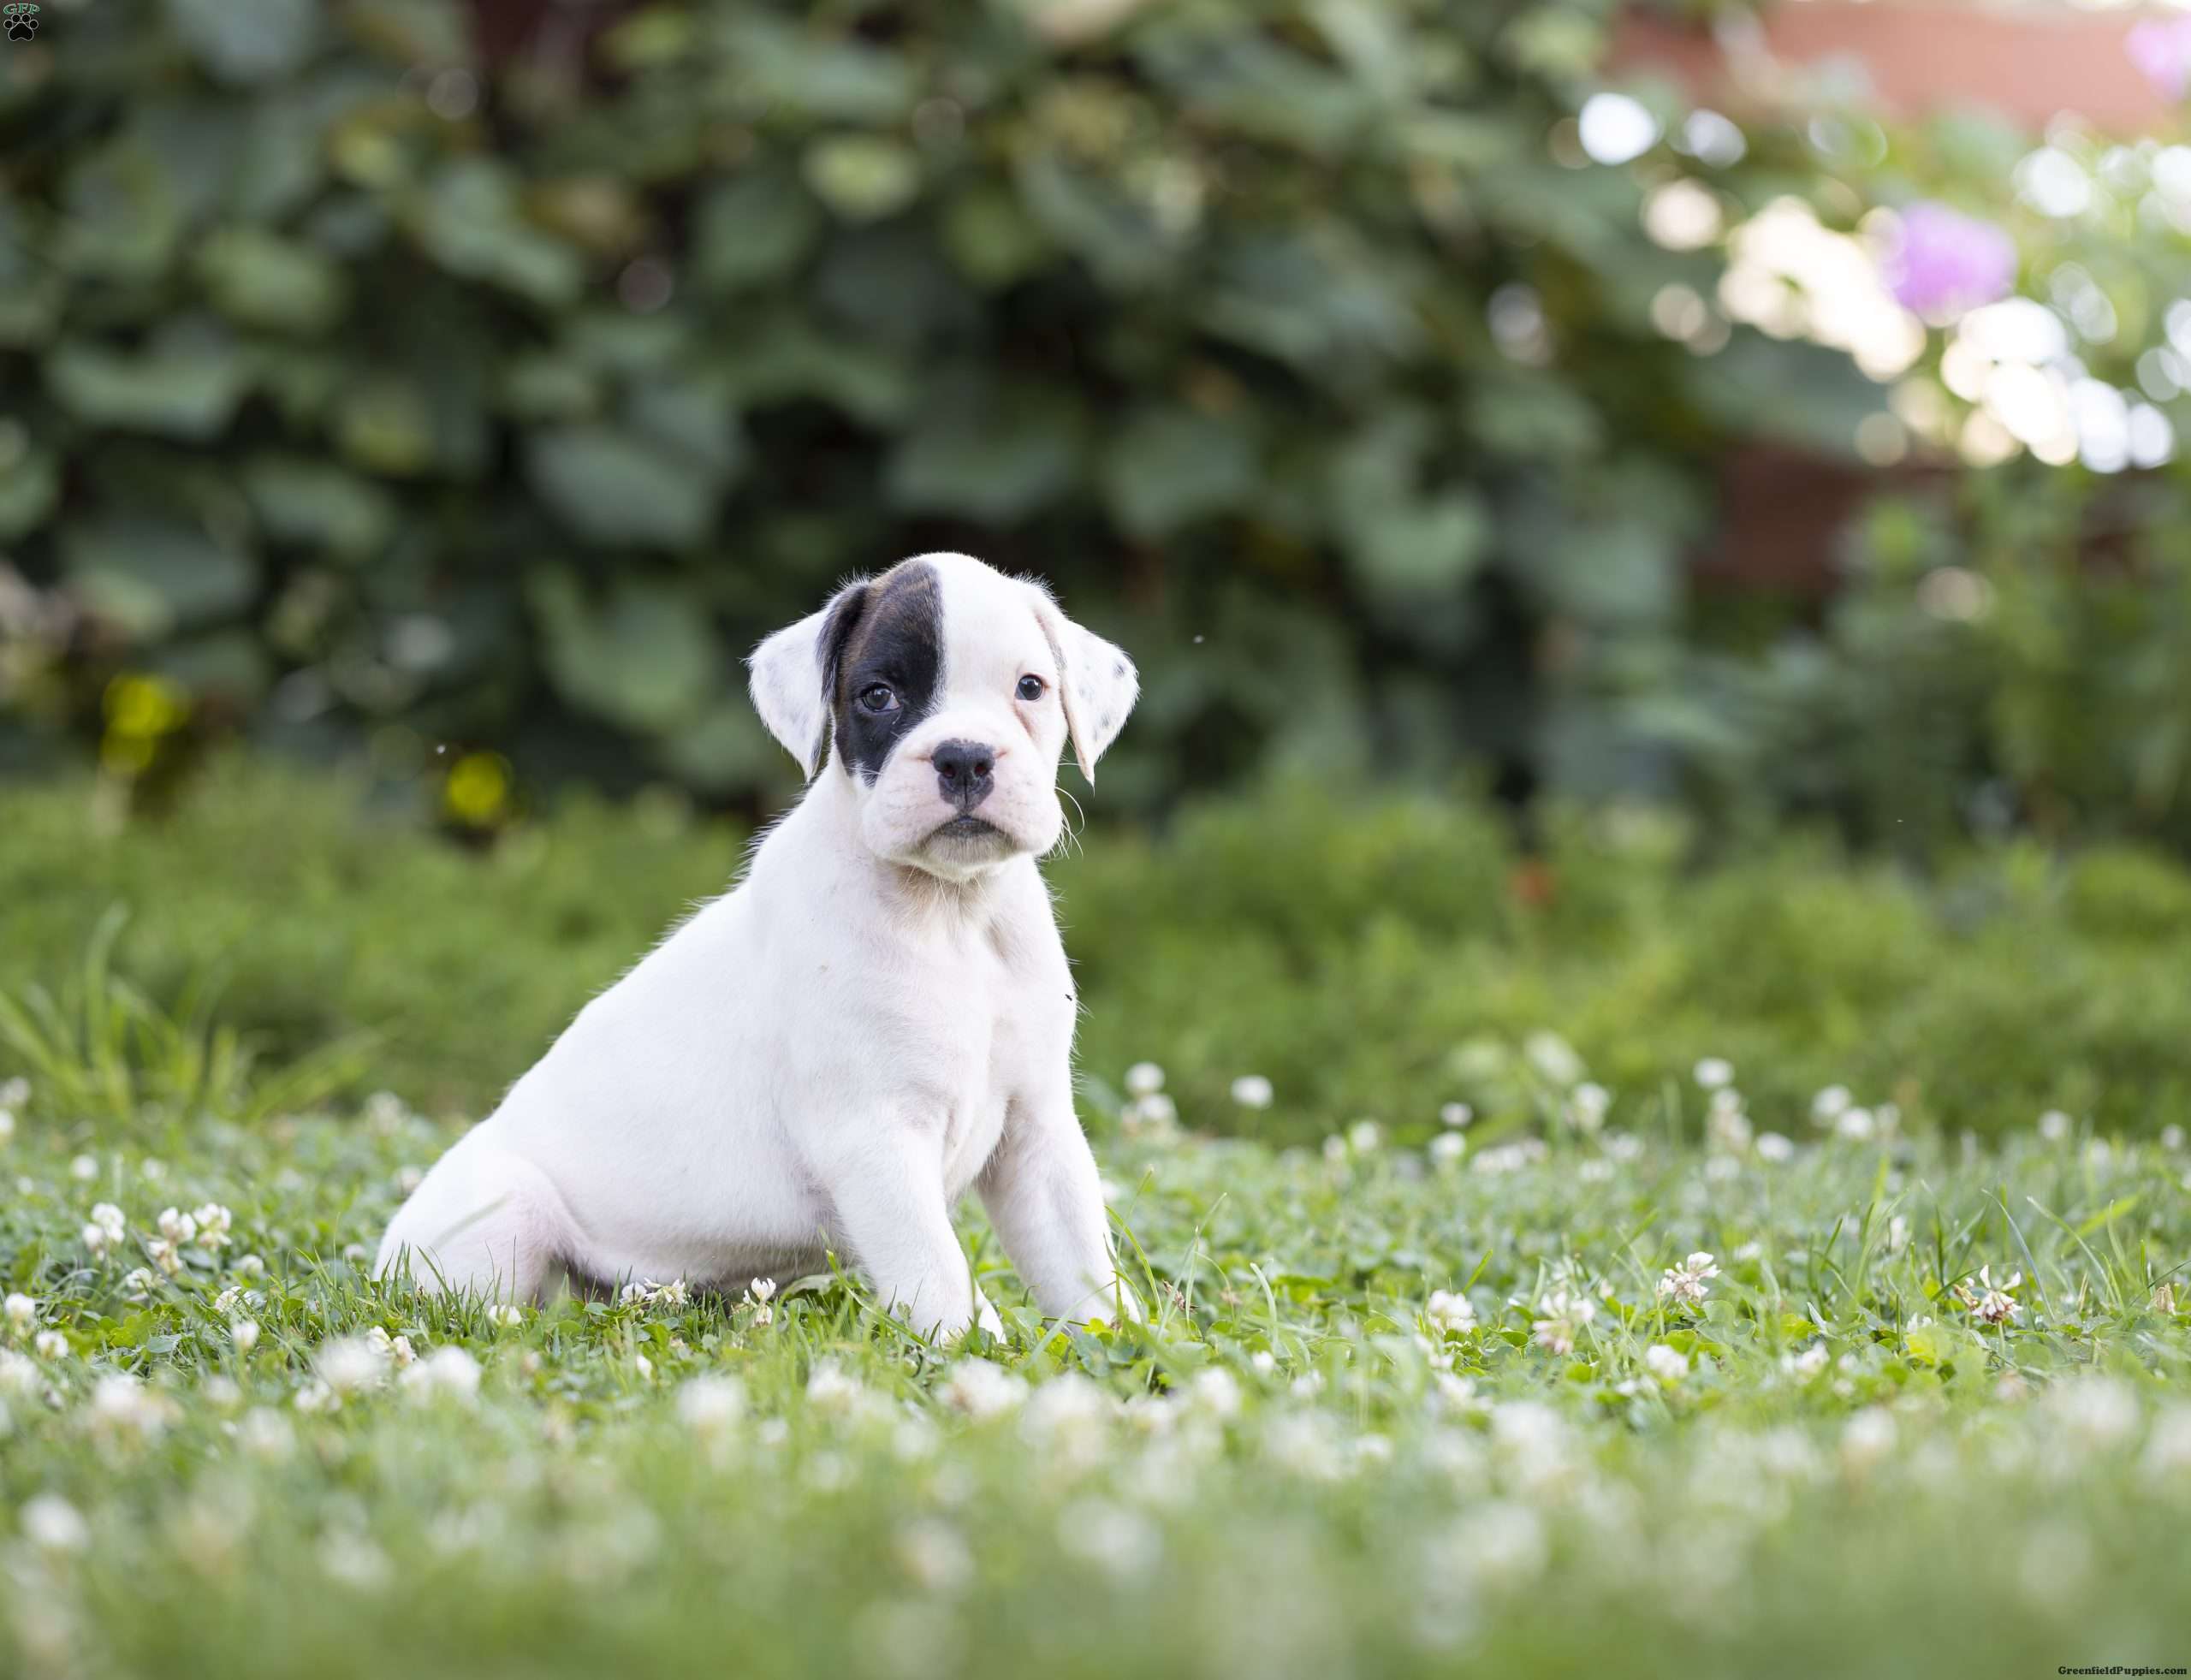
<point>965,772</point>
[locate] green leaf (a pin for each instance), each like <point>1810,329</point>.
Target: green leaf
<point>151,577</point>
<point>469,222</point>
<point>795,69</point>
<point>754,228</point>
<point>29,490</point>
<point>643,657</point>
<point>992,239</point>
<point>188,392</point>
<point>386,425</point>
<point>1170,466</point>
<point>1424,548</point>
<point>318,505</point>
<point>263,280</point>
<point>246,40</point>
<point>123,214</point>
<point>862,177</point>
<point>693,419</point>
<point>611,486</point>
<point>988,454</point>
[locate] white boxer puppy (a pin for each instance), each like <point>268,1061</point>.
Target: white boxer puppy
<point>878,1017</point>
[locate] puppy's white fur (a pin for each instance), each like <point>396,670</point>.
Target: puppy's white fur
<point>877,1018</point>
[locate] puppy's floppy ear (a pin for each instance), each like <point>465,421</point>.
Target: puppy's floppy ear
<point>1096,680</point>
<point>795,669</point>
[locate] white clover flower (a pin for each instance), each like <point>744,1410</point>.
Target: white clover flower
<point>1897,1234</point>
<point>1727,1127</point>
<point>1363,1137</point>
<point>175,1225</point>
<point>1304,1443</point>
<point>506,1313</point>
<point>1995,1305</point>
<point>1687,1284</point>
<point>1830,1104</point>
<point>1496,1546</point>
<point>2096,1412</point>
<point>446,1374</point>
<point>22,1313</point>
<point>1856,1124</point>
<point>2054,1125</point>
<point>19,1376</point>
<point>52,1524</point>
<point>1154,1115</point>
<point>1452,1311</point>
<point>1867,1438</point>
<point>265,1434</point>
<point>981,1389</point>
<point>1565,1315</point>
<point>1216,1391</point>
<point>1335,1150</point>
<point>1553,1057</point>
<point>676,1295</point>
<point>644,1366</point>
<point>214,1223</point>
<point>84,1168</point>
<point>139,1283</point>
<point>7,1125</point>
<point>1775,1148</point>
<point>931,1551</point>
<point>1586,1106</point>
<point>251,1266</point>
<point>355,1562</point>
<point>833,1391</point>
<point>226,1301</point>
<point>1668,1364</point>
<point>52,1345</point>
<point>2171,1138</point>
<point>1712,1072</point>
<point>2168,1448</point>
<point>351,1364</point>
<point>1144,1079</point>
<point>1456,1115</point>
<point>2165,1299</point>
<point>759,1294</point>
<point>1252,1090</point>
<point>633,1295</point>
<point>1807,1364</point>
<point>122,1406</point>
<point>708,1406</point>
<point>1121,1543</point>
<point>1446,1148</point>
<point>244,1333</point>
<point>316,1397</point>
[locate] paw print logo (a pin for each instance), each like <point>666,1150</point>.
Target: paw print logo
<point>22,21</point>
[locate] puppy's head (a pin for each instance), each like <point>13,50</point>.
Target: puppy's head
<point>944,691</point>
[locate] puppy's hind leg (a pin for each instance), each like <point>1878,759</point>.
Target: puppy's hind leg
<point>483,1221</point>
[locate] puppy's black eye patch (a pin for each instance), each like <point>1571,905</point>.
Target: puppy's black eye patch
<point>891,668</point>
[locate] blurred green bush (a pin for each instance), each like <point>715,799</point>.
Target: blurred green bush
<point>1372,956</point>
<point>364,390</point>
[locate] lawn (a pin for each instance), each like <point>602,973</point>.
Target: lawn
<point>1633,1365</point>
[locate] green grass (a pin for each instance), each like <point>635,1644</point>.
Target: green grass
<point>1293,1469</point>
<point>1836,1464</point>
<point>1370,955</point>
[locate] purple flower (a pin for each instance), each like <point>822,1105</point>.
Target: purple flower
<point>2161,49</point>
<point>1946,263</point>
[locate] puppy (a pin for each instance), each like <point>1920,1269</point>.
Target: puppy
<point>877,1017</point>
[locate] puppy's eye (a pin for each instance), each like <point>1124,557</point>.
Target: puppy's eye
<point>878,698</point>
<point>1032,688</point>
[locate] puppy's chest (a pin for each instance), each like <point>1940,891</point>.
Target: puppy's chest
<point>984,1040</point>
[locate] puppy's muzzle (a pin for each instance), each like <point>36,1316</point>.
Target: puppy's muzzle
<point>966,773</point>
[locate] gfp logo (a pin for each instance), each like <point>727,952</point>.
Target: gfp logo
<point>21,20</point>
